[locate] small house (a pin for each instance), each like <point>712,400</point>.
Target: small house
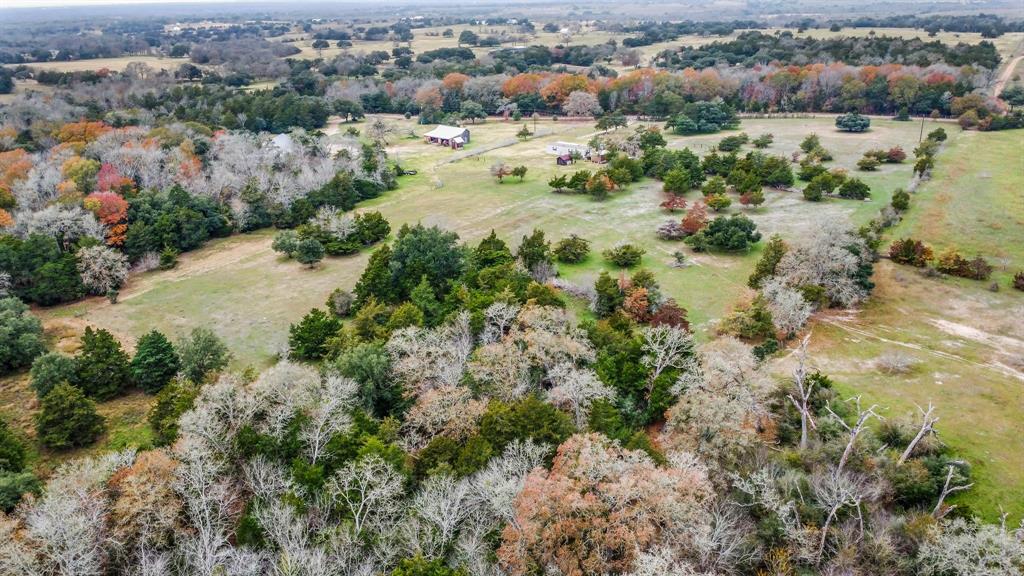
<point>599,157</point>
<point>451,136</point>
<point>564,160</point>
<point>571,148</point>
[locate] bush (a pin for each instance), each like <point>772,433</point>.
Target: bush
<point>168,258</point>
<point>718,202</point>
<point>13,485</point>
<point>285,242</point>
<point>671,230</point>
<point>171,402</point>
<point>155,362</point>
<point>201,354</point>
<point>309,252</point>
<point>810,142</point>
<point>49,370</point>
<point>734,233</point>
<point>763,141</point>
<point>733,143</point>
<point>340,302</point>
<point>853,122</point>
<point>12,450</point>
<point>895,155</point>
<point>1018,280</point>
<point>910,252</point>
<point>952,263</point>
<point>572,250</point>
<point>307,340</point>
<point>854,189</point>
<point>937,135</point>
<point>102,367</point>
<point>624,255</point>
<point>67,419</point>
<point>895,362</point>
<point>21,335</point>
<point>868,163</point>
<point>901,199</point>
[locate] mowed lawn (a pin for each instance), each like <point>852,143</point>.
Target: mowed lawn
<point>249,296</point>
<point>968,342</point>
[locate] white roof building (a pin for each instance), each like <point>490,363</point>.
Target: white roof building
<point>443,132</point>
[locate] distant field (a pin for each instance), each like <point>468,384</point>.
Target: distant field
<point>114,64</point>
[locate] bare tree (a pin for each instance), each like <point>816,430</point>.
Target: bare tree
<point>329,414</point>
<point>854,431</point>
<point>938,512</point>
<point>576,389</point>
<point>835,491</point>
<point>369,489</point>
<point>380,131</point>
<point>804,390</point>
<point>665,347</point>
<point>927,427</point>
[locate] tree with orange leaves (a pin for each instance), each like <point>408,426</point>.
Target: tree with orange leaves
<point>5,219</point>
<point>558,89</point>
<point>528,83</point>
<point>673,203</point>
<point>14,166</point>
<point>112,211</point>
<point>637,305</point>
<point>696,218</point>
<point>79,134</point>
<point>454,81</point>
<point>599,507</point>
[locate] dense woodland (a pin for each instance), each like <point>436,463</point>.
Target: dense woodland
<point>450,415</point>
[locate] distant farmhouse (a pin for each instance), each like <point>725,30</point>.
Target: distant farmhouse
<point>570,148</point>
<point>451,136</point>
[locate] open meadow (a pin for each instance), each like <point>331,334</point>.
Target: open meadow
<point>964,346</point>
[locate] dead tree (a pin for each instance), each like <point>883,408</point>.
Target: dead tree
<point>862,419</point>
<point>938,513</point>
<point>804,389</point>
<point>927,427</point>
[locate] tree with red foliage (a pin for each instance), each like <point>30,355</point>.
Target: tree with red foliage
<point>674,203</point>
<point>109,179</point>
<point>112,211</point>
<point>696,218</point>
<point>670,314</point>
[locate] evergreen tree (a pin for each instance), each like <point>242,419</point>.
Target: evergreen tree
<point>155,362</point>
<point>102,368</point>
<point>534,250</point>
<point>67,419</point>
<point>172,401</point>
<point>609,297</point>
<point>774,250</point>
<point>49,370</point>
<point>423,297</point>
<point>308,339</point>
<point>12,450</point>
<point>376,279</point>
<point>309,252</point>
<point>492,251</point>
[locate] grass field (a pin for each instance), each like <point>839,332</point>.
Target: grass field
<point>968,342</point>
<point>113,64</point>
<point>962,335</point>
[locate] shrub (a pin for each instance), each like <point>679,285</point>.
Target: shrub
<point>49,370</point>
<point>309,252</point>
<point>752,321</point>
<point>1018,280</point>
<point>168,258</point>
<point>202,353</point>
<point>102,368</point>
<point>714,186</point>
<point>937,135</point>
<point>810,142</point>
<point>853,122</point>
<point>868,163</point>
<point>910,252</point>
<point>718,202</point>
<point>307,340</point>
<point>172,401</point>
<point>285,242</point>
<point>13,485</point>
<point>901,199</point>
<point>67,419</point>
<point>854,189</point>
<point>895,155</point>
<point>734,233</point>
<point>12,450</point>
<point>155,362</point>
<point>624,255</point>
<point>572,250</point>
<point>340,302</point>
<point>952,263</point>
<point>21,336</point>
<point>895,362</point>
<point>733,143</point>
<point>809,170</point>
<point>671,230</point>
<point>763,141</point>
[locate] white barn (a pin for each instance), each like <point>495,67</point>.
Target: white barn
<point>451,136</point>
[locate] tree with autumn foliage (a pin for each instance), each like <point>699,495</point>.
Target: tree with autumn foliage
<point>696,218</point>
<point>112,211</point>
<point>109,179</point>
<point>673,203</point>
<point>600,507</point>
